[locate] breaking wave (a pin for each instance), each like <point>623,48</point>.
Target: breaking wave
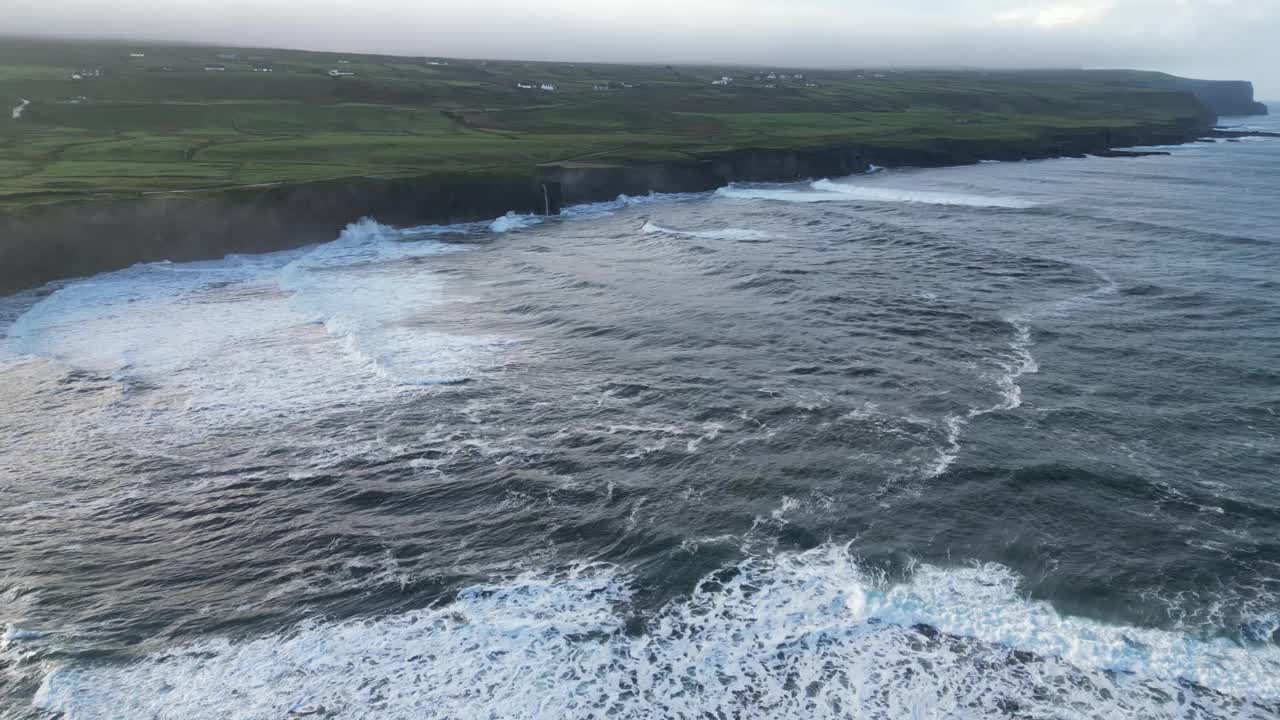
<point>885,194</point>
<point>745,234</point>
<point>196,327</point>
<point>359,288</point>
<point>829,191</point>
<point>795,635</point>
<point>608,207</point>
<point>514,221</point>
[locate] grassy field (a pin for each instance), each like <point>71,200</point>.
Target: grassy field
<point>103,121</point>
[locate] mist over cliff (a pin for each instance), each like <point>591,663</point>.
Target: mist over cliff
<point>1214,39</point>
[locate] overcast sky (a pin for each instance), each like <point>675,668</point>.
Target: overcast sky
<point>1220,39</point>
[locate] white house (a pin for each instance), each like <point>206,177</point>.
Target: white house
<point>771,76</point>
<point>549,87</point>
<point>437,62</point>
<point>137,55</point>
<point>799,76</point>
<point>525,86</point>
<point>724,80</point>
<point>340,73</point>
<point>77,76</point>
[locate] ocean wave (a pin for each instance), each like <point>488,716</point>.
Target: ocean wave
<point>735,192</point>
<point>357,287</point>
<point>828,191</point>
<point>1009,369</point>
<point>743,234</point>
<point>234,339</point>
<point>876,193</point>
<point>608,207</point>
<point>809,634</point>
<point>514,221</point>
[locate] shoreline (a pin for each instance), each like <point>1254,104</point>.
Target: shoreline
<point>77,239</point>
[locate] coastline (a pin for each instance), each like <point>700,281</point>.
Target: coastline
<point>52,242</point>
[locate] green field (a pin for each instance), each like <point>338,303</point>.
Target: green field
<point>131,125</point>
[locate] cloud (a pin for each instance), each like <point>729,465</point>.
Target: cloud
<point>1210,38</point>
<point>1053,16</point>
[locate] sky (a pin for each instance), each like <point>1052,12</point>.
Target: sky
<point>1215,39</point>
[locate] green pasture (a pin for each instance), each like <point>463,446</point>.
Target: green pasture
<point>163,123</point>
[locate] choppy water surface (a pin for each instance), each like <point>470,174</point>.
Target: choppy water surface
<point>994,441</point>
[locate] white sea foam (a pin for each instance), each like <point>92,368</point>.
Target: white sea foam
<point>1008,370</point>
<point>22,105</point>
<point>514,221</point>
<point>796,635</point>
<point>735,192</point>
<point>878,193</point>
<point>829,191</point>
<point>361,290</point>
<point>744,234</point>
<point>247,336</point>
<point>152,318</point>
<point>14,634</point>
<point>1011,368</point>
<point>608,207</point>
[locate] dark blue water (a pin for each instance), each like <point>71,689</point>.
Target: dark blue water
<point>991,441</point>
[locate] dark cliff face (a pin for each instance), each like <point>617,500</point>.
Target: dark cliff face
<point>572,183</point>
<point>1224,97</point>
<point>51,242</point>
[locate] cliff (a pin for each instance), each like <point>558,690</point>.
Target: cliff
<point>1224,97</point>
<point>571,183</point>
<point>48,242</point>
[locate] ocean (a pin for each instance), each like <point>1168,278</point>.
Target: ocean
<point>997,441</point>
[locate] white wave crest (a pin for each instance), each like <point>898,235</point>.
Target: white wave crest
<point>875,193</point>
<point>829,191</point>
<point>734,192</point>
<point>1009,369</point>
<point>514,221</point>
<point>602,209</point>
<point>231,340</point>
<point>798,635</point>
<point>724,234</point>
<point>360,289</point>
<point>13,634</point>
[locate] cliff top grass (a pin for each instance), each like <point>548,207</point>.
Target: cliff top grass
<point>103,121</point>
